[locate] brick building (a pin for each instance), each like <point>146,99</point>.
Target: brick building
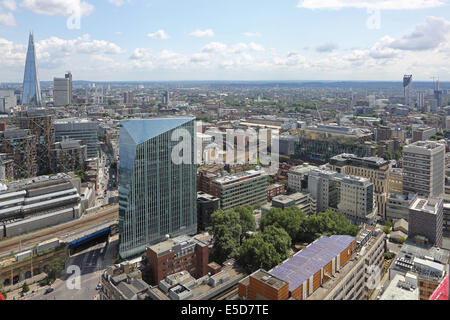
<point>182,253</point>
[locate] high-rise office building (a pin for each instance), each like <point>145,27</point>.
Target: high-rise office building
<point>62,90</point>
<point>84,130</point>
<point>7,101</point>
<point>31,95</point>
<point>426,220</point>
<point>157,196</point>
<point>352,196</point>
<point>424,168</point>
<point>407,89</point>
<point>128,98</point>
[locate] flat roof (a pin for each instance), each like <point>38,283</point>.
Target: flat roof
<point>398,289</point>
<point>310,260</point>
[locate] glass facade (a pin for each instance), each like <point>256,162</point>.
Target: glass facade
<point>31,95</point>
<point>156,196</point>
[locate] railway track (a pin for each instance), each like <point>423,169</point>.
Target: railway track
<point>28,240</point>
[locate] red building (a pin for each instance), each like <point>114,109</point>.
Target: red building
<point>183,253</point>
<point>441,292</point>
<point>275,190</point>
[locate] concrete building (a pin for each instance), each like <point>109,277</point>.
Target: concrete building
<point>157,197</point>
<point>427,263</point>
<point>123,282</point>
<point>62,91</point>
<point>8,101</point>
<point>446,220</point>
<point>397,206</point>
<point>426,220</point>
<point>423,134</point>
<point>352,196</point>
<point>40,202</point>
<point>298,177</point>
<point>79,129</point>
<point>373,168</point>
<point>128,98</point>
<point>241,189</point>
<point>407,90</point>
<point>423,168</point>
<point>303,201</point>
<point>402,288</point>
<point>220,281</point>
<point>183,253</point>
<point>206,206</point>
<point>395,180</point>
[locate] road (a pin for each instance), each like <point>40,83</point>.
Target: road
<point>31,239</point>
<point>91,263</point>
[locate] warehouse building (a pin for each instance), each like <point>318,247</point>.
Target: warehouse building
<point>40,202</point>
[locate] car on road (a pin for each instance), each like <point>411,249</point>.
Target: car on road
<point>49,290</point>
<point>98,287</point>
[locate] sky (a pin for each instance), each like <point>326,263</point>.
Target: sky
<point>161,40</point>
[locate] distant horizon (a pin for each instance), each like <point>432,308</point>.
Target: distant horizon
<point>237,81</point>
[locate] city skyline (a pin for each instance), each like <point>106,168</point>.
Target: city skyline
<point>339,40</point>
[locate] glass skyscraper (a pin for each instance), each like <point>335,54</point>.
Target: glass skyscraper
<point>157,197</point>
<point>31,95</point>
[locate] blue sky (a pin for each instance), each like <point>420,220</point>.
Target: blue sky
<point>228,40</point>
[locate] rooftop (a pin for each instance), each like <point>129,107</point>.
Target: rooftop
<point>308,261</point>
<point>400,289</point>
<point>430,205</point>
<point>269,279</point>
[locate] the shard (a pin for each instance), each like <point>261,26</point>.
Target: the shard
<point>31,89</point>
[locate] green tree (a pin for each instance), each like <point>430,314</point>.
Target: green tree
<point>54,269</point>
<point>255,253</point>
<point>280,240</point>
<point>227,233</point>
<point>247,219</point>
<point>25,288</point>
<point>326,224</point>
<point>290,219</point>
<point>386,155</point>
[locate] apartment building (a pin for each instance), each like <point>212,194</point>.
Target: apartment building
<point>423,134</point>
<point>182,253</point>
<point>424,168</point>
<point>373,168</point>
<point>298,177</point>
<point>395,180</point>
<point>397,206</point>
<point>426,220</point>
<point>241,189</point>
<point>349,195</point>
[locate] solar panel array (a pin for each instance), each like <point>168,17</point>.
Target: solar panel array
<point>310,260</point>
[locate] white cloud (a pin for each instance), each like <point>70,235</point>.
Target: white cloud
<point>58,7</point>
<point>202,33</point>
<point>9,4</point>
<point>160,34</point>
<point>426,36</point>
<point>369,4</point>
<point>7,19</point>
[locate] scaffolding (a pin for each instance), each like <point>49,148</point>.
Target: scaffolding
<point>40,124</point>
